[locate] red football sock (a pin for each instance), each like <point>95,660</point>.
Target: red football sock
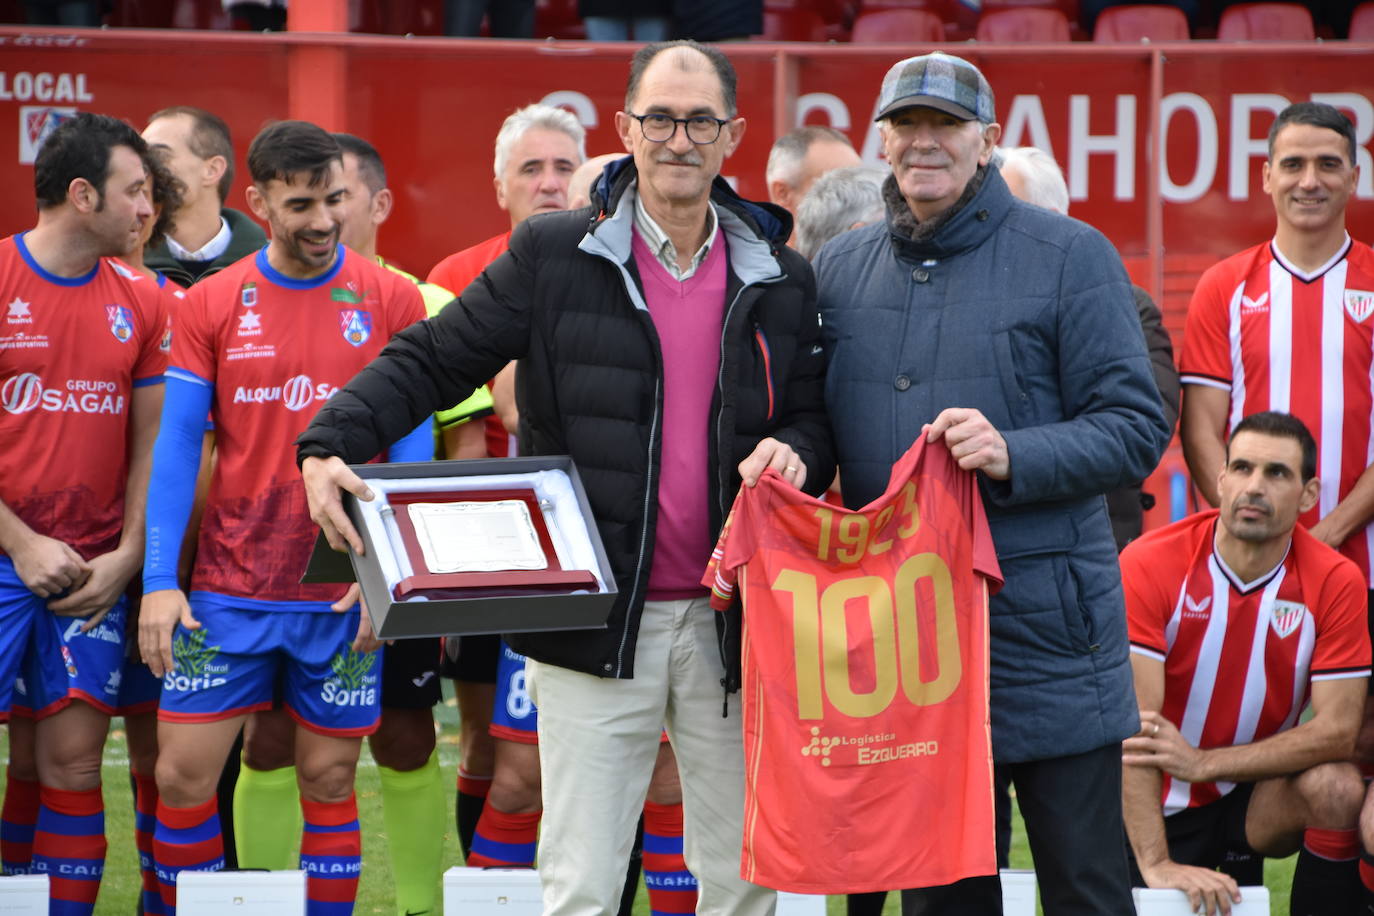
<point>467,809</point>
<point>504,839</point>
<point>145,825</point>
<point>332,856</point>
<point>17,819</point>
<point>672,888</point>
<point>70,832</point>
<point>186,839</point>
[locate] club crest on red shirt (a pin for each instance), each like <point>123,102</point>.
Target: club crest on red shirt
<point>1287,616</point>
<point>121,322</point>
<point>356,325</point>
<point>1359,304</point>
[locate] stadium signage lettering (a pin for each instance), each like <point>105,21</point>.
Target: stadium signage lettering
<point>44,87</point>
<point>1227,131</point>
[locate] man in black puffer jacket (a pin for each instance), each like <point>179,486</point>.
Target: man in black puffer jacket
<point>668,342</point>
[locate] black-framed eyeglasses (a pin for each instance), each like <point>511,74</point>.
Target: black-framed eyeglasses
<point>701,129</point>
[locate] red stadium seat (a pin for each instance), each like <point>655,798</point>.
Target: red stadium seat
<point>200,14</point>
<point>837,14</point>
<point>1362,23</point>
<point>365,17</point>
<point>959,18</point>
<point>396,17</point>
<point>1068,7</point>
<point>917,26</point>
<point>1141,22</point>
<point>1023,25</point>
<point>558,19</point>
<point>1266,22</point>
<point>793,25</point>
<point>138,14</point>
<point>834,12</point>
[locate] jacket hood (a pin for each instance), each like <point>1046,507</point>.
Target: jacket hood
<point>967,229</point>
<point>770,221</point>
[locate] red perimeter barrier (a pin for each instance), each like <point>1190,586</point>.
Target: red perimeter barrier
<point>432,106</point>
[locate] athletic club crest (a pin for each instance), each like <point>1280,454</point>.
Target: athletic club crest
<point>1288,615</point>
<point>356,325</point>
<point>121,322</point>
<point>249,295</point>
<point>1359,304</point>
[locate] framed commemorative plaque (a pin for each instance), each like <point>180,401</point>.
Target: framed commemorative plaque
<point>479,546</point>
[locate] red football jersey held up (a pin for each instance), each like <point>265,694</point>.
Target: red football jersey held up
<point>72,349</point>
<point>865,688</point>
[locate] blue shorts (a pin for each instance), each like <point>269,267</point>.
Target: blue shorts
<point>248,653</point>
<point>19,608</point>
<point>513,716</point>
<point>46,661</point>
<point>139,689</point>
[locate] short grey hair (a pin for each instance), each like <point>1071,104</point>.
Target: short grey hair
<point>785,159</point>
<point>1045,185</point>
<point>839,199</point>
<point>546,117</point>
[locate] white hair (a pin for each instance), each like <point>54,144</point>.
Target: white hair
<point>785,158</point>
<point>1044,180</point>
<point>545,117</point>
<point>840,199</point>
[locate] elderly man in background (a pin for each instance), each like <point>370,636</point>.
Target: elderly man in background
<point>840,200</point>
<point>799,157</point>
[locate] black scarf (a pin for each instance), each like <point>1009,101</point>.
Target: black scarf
<point>904,222</point>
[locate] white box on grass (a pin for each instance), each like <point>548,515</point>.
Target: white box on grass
<point>238,893</point>
<point>24,895</point>
<point>1155,901</point>
<point>1018,891</point>
<point>800,904</point>
<point>492,892</point>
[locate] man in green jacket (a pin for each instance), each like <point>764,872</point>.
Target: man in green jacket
<point>206,236</point>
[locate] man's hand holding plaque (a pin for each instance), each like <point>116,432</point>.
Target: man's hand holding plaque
<point>324,479</point>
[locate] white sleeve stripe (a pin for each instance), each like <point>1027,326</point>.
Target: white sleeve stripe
<point>1204,380</point>
<point>1340,675</point>
<point>185,376</point>
<point>1148,653</point>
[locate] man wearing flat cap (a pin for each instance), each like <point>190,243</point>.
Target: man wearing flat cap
<point>1008,333</point>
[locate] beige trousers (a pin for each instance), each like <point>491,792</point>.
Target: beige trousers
<point>598,738</point>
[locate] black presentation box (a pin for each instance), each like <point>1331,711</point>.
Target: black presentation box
<point>458,616</point>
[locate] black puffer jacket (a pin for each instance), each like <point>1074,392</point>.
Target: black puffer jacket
<point>567,302</point>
